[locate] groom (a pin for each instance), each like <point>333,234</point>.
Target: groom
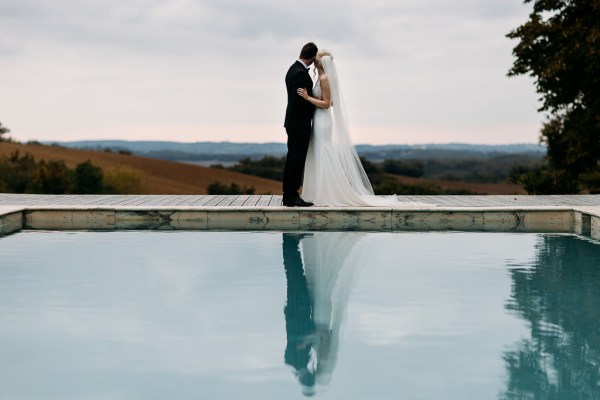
<point>298,125</point>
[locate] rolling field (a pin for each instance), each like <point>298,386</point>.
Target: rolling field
<point>159,177</point>
<point>168,177</point>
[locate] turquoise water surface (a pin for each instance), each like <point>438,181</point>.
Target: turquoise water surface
<point>268,315</point>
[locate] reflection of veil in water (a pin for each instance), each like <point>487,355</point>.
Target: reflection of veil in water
<point>331,270</point>
<point>317,300</point>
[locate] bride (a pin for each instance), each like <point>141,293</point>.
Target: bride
<point>334,175</point>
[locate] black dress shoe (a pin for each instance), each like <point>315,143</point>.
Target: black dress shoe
<point>297,202</point>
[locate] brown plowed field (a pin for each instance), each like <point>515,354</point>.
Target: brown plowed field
<point>479,188</point>
<point>160,177</point>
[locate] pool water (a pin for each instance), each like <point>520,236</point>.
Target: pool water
<point>270,315</point>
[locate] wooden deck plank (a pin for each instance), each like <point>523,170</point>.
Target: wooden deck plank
<point>102,200</point>
<point>240,200</point>
<point>44,200</point>
<point>202,200</point>
<point>439,200</point>
<point>117,200</point>
<point>181,200</point>
<point>145,200</point>
<point>162,201</point>
<point>581,200</point>
<point>275,201</point>
<point>464,201</point>
<point>227,200</point>
<point>408,199</point>
<point>264,200</point>
<point>135,200</point>
<point>79,200</point>
<point>259,201</point>
<point>91,199</point>
<point>9,199</point>
<point>186,200</point>
<point>172,200</point>
<point>214,201</point>
<point>494,200</point>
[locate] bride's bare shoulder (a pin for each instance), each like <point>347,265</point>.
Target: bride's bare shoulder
<point>323,77</point>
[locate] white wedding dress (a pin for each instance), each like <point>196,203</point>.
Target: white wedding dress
<point>333,173</point>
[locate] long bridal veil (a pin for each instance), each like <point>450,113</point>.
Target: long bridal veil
<point>334,175</point>
<point>340,135</point>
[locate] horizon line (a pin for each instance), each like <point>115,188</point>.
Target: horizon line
<point>283,143</point>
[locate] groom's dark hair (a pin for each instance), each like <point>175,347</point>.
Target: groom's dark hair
<point>309,50</point>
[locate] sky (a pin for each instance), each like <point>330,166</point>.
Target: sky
<point>412,71</point>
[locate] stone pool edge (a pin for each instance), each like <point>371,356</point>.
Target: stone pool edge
<point>560,219</point>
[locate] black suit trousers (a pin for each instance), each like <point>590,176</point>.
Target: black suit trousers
<point>293,172</point>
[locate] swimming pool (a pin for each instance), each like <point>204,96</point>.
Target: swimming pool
<point>271,315</point>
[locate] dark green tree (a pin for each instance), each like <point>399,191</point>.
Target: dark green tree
<point>52,177</point>
<point>3,131</point>
<point>267,167</point>
<point>16,172</point>
<point>87,179</point>
<point>218,188</point>
<point>413,168</point>
<point>559,46</point>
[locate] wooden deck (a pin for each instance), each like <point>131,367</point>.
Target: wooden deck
<point>241,201</point>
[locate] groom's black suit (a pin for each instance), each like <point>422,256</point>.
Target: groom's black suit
<point>298,125</point>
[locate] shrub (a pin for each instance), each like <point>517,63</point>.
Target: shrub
<point>412,168</point>
<point>123,180</point>
<point>591,182</point>
<point>87,179</point>
<point>391,186</point>
<point>52,177</point>
<point>16,172</point>
<point>548,181</point>
<point>267,167</point>
<point>218,188</point>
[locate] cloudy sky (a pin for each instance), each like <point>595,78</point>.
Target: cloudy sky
<point>413,71</point>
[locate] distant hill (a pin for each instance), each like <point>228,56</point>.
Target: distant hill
<point>227,151</point>
<point>191,148</point>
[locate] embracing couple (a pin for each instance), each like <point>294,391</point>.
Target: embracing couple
<point>321,157</point>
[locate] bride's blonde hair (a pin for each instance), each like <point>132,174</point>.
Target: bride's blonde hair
<point>323,53</point>
<point>320,55</point>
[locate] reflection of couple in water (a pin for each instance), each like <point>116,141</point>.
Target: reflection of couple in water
<point>319,275</point>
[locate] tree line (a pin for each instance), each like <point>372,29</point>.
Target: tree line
<point>271,167</point>
<point>496,169</point>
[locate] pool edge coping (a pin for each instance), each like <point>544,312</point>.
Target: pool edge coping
<point>579,220</point>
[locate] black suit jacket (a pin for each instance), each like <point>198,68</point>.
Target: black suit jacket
<point>299,112</point>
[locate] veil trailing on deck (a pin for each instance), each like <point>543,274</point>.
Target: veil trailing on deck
<point>334,175</point>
